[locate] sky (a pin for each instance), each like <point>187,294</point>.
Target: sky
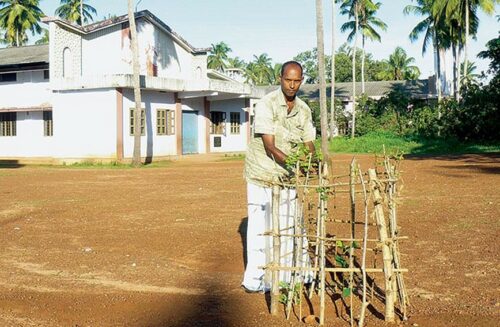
<point>284,28</point>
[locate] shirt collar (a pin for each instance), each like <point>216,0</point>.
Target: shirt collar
<point>282,102</point>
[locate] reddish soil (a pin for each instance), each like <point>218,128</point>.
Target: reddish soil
<point>163,246</point>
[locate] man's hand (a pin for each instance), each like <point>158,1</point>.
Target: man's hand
<point>272,151</point>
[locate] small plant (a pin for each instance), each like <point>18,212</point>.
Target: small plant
<point>302,157</point>
<point>289,293</point>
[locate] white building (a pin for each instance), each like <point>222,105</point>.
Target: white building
<point>73,99</point>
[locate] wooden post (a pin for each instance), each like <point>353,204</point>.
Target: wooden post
<point>364,303</point>
<point>399,285</point>
<point>386,250</point>
<point>322,264</point>
<point>275,291</point>
<point>352,189</point>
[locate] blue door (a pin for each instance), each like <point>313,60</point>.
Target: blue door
<point>189,132</point>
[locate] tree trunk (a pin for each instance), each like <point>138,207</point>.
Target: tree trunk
<point>442,63</point>
<point>136,160</point>
<point>321,76</point>
<point>437,69</point>
<point>466,36</point>
<point>459,54</point>
<point>17,38</point>
<point>363,64</point>
<point>455,86</point>
<point>333,127</point>
<point>81,12</point>
<point>353,127</point>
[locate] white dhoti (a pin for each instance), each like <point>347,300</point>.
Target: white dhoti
<point>259,247</point>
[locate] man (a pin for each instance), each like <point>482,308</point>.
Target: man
<point>281,122</point>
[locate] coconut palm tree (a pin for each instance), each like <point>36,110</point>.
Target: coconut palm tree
<point>73,10</point>
<point>17,17</point>
<point>461,18</point>
<point>432,33</point>
<point>333,124</point>
<point>469,76</point>
<point>136,160</point>
<point>218,57</point>
<point>235,62</point>
<point>45,37</point>
<point>367,23</point>
<point>320,43</point>
<point>399,66</point>
<point>260,71</point>
<point>352,9</point>
<point>276,74</point>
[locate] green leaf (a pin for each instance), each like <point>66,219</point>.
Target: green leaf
<point>339,244</point>
<point>346,291</point>
<point>341,261</point>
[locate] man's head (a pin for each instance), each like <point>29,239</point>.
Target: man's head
<point>291,78</point>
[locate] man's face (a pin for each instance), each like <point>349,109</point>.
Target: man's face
<point>291,80</point>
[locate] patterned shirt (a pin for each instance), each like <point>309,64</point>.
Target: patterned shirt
<point>289,130</point>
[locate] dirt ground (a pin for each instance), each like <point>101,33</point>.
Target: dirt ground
<point>164,246</point>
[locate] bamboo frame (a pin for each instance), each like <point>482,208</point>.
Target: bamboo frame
<point>376,191</point>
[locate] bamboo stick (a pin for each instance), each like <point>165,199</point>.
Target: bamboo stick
<point>352,181</point>
<point>386,251</point>
<point>334,239</point>
<point>348,222</point>
<point>364,303</point>
<point>399,280</point>
<point>295,261</point>
<point>328,186</point>
<point>322,275</point>
<point>341,270</point>
<point>276,250</point>
<point>316,248</point>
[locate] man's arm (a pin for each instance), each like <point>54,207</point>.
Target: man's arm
<point>271,150</point>
<point>274,153</point>
<point>310,146</point>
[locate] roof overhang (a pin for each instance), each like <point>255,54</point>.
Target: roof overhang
<point>42,107</point>
<point>189,88</point>
<point>24,67</point>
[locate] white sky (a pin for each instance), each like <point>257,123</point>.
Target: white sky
<point>282,28</point>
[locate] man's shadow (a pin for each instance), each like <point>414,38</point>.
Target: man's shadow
<point>242,230</point>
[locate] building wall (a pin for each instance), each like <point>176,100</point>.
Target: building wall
<point>85,124</point>
<point>158,49</point>
<point>29,140</point>
<point>151,144</point>
<point>30,90</point>
<point>60,39</point>
<point>230,142</point>
<point>103,53</point>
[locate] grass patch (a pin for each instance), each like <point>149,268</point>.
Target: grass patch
<point>233,157</point>
<point>93,164</point>
<point>374,142</point>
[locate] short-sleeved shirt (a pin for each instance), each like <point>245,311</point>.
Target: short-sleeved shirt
<point>289,129</point>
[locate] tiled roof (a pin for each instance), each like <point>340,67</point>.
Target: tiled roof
<point>24,55</point>
<point>415,89</point>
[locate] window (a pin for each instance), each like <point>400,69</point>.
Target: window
<point>67,63</point>
<point>217,126</point>
<point>235,122</point>
<point>132,121</point>
<point>8,77</point>
<point>47,124</point>
<point>46,74</point>
<point>8,123</point>
<point>165,122</point>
